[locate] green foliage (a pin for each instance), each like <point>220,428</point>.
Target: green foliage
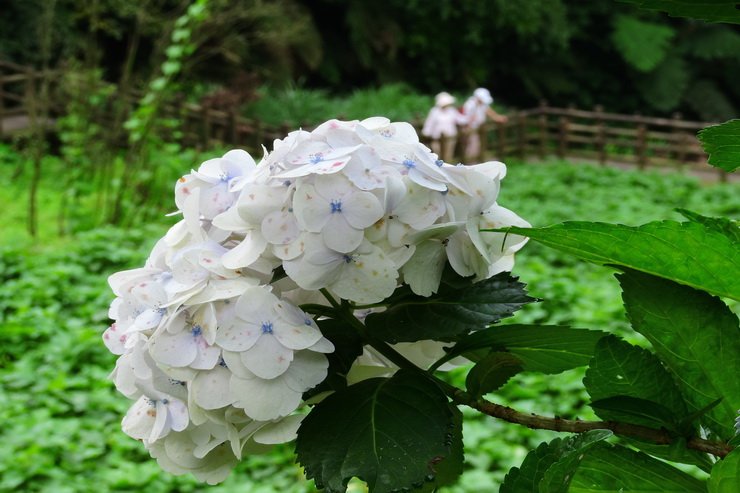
<point>492,372</point>
<point>452,312</point>
<point>392,433</point>
<point>611,469</point>
<point>558,458</point>
<point>640,389</point>
<point>720,142</point>
<point>726,474</point>
<point>688,253</point>
<point>546,349</point>
<point>706,10</point>
<point>642,44</point>
<point>696,336</point>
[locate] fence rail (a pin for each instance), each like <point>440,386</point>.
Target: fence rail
<point>537,132</point>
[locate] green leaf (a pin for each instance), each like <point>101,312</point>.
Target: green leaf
<point>542,348</point>
<point>492,372</point>
<point>723,225</point>
<point>392,433</point>
<point>527,477</point>
<point>617,469</point>
<point>347,347</point>
<point>706,10</point>
<point>722,143</point>
<point>642,44</point>
<point>688,253</point>
<point>450,313</point>
<point>696,336</point>
<point>628,383</point>
<point>725,476</point>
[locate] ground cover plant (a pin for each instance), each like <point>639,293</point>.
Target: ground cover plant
<point>54,307</point>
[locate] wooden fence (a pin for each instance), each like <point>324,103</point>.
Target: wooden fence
<point>538,132</point>
<point>599,136</point>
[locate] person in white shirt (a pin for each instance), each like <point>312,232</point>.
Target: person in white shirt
<point>441,126</point>
<point>475,111</point>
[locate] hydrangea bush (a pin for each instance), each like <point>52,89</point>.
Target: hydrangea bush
<point>215,350</point>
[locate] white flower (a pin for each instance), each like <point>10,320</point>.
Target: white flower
<point>337,210</point>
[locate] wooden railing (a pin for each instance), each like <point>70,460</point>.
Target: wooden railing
<point>598,136</point>
<point>538,132</point>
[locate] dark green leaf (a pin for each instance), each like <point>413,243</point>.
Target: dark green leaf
<point>628,383</point>
<point>688,253</point>
<point>617,469</point>
<point>391,433</point>
<point>725,476</point>
<point>722,143</point>
<point>450,313</point>
<point>347,347</point>
<point>723,225</point>
<point>642,44</point>
<point>492,372</point>
<point>542,348</point>
<point>527,477</point>
<point>635,410</point>
<point>706,10</point>
<point>696,336</point>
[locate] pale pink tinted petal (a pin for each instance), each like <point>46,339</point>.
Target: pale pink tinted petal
<point>362,209</point>
<point>267,358</point>
<point>308,370</point>
<point>173,349</point>
<point>311,210</point>
<point>211,388</point>
<point>161,426</point>
<point>280,227</point>
<point>178,414</point>
<point>264,400</point>
<point>238,335</point>
<point>246,252</point>
<point>139,420</point>
<point>340,236</point>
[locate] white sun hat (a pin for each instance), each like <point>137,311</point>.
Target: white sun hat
<point>444,99</point>
<point>484,95</point>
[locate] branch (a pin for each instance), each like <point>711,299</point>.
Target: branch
<point>659,437</point>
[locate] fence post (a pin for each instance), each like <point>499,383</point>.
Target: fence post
<point>500,141</point>
<point>563,127</point>
<point>521,136</point>
<point>679,140</point>
<point>600,134</point>
<point>641,145</point>
<point>233,123</point>
<point>542,121</point>
<point>2,104</point>
<point>205,126</point>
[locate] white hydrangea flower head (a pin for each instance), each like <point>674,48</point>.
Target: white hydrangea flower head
<point>214,350</point>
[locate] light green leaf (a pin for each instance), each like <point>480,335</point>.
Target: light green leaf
<point>492,372</point>
<point>527,477</point>
<point>620,372</point>
<point>722,143</point>
<point>688,253</point>
<point>725,476</point>
<point>723,225</point>
<point>619,469</point>
<point>391,433</point>
<point>642,44</point>
<point>706,10</point>
<point>451,312</point>
<point>696,336</point>
<point>542,348</point>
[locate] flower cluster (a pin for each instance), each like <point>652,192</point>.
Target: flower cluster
<point>213,347</point>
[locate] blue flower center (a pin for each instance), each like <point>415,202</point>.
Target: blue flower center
<point>315,158</point>
<point>197,331</point>
<point>267,327</point>
<point>336,206</point>
<point>439,162</point>
<point>409,163</point>
<point>347,258</point>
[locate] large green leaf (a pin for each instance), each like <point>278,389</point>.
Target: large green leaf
<point>632,386</point>
<point>723,225</point>
<point>450,313</point>
<point>706,10</point>
<point>725,476</point>
<point>689,253</point>
<point>722,143</point>
<point>527,477</point>
<point>619,469</point>
<point>542,348</point>
<point>696,336</point>
<point>492,372</point>
<point>392,433</point>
